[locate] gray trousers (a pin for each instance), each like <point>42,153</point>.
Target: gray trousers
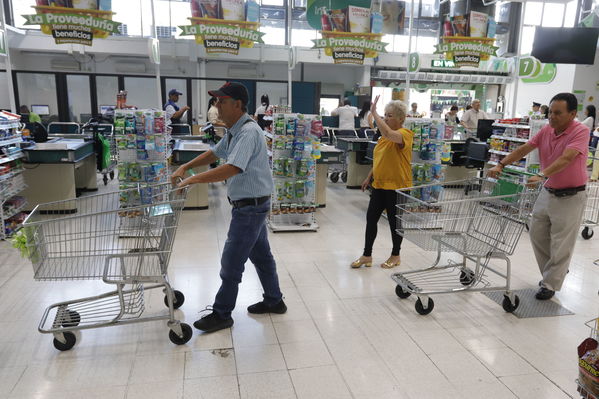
<point>553,230</point>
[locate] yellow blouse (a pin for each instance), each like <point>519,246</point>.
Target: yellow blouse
<point>392,165</point>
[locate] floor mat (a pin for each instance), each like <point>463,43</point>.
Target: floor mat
<point>530,306</point>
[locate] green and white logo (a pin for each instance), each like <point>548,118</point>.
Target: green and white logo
<point>413,62</point>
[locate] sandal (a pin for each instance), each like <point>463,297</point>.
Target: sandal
<point>359,262</point>
<point>388,264</point>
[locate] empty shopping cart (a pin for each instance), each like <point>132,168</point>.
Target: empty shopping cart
<point>124,238</point>
<point>590,217</point>
<point>478,218</point>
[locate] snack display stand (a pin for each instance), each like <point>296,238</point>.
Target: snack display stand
<point>183,152</point>
<point>295,149</point>
<point>507,137</point>
<point>429,135</point>
<point>11,178</point>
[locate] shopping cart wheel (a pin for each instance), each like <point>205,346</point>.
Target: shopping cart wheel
<point>587,233</point>
<point>187,333</point>
<point>112,175</point>
<point>466,277</point>
<point>73,319</point>
<point>527,227</point>
<point>401,293</point>
<point>420,308</point>
<point>507,304</point>
<point>70,341</point>
<point>105,179</point>
<point>334,177</point>
<point>179,299</point>
<point>344,176</point>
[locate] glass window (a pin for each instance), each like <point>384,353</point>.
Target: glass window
<point>78,93</point>
<point>129,14</point>
<point>141,92</point>
<point>302,33</point>
<point>4,100</point>
<point>280,3</point>
<point>528,37</point>
<point>272,23</point>
<point>553,15</point>
<point>39,89</point>
<point>107,88</point>
<point>328,104</point>
<point>570,14</point>
<point>532,15</point>
<point>23,7</point>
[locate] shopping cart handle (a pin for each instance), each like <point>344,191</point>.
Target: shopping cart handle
<point>189,171</point>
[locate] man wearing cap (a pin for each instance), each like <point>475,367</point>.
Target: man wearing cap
<point>249,188</point>
<point>557,213</point>
<point>173,112</point>
<point>536,109</point>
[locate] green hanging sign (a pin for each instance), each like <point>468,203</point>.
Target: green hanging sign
<point>546,75</point>
<point>413,62</point>
<point>315,9</point>
<point>2,43</point>
<point>466,51</point>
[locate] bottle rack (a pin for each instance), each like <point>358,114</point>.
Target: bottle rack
<point>294,152</point>
<point>142,142</point>
<point>507,137</point>
<point>427,148</point>
<point>11,178</point>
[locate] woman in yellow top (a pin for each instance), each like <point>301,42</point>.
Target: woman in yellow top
<point>391,170</point>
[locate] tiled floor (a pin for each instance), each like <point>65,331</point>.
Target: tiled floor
<point>346,334</point>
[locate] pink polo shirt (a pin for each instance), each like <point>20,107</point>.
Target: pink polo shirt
<point>551,147</point>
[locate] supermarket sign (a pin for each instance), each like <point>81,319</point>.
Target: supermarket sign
<point>78,28</point>
<point>466,53</point>
<point>350,49</point>
<point>220,36</point>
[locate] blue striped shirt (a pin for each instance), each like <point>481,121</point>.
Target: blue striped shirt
<point>244,147</point>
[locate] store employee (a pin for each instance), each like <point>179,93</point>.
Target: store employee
<point>471,117</point>
<point>556,216</point>
<point>346,114</point>
<point>248,174</point>
<point>173,112</point>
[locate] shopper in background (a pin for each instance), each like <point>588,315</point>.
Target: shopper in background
<point>591,114</point>
<point>471,117</point>
<point>31,116</point>
<point>346,114</point>
<point>414,111</point>
<point>545,111</point>
<point>557,213</point>
<point>452,115</point>
<point>249,187</point>
<point>173,112</point>
<point>366,118</point>
<point>212,114</point>
<point>261,111</point>
<point>536,109</point>
<point>391,170</point>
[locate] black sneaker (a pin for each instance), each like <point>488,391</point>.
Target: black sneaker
<point>544,293</point>
<point>261,308</point>
<point>212,322</point>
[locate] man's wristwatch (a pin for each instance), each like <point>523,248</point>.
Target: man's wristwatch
<point>541,174</point>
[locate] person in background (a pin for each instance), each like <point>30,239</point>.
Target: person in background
<point>471,117</point>
<point>591,116</point>
<point>414,111</point>
<point>33,117</point>
<point>346,114</point>
<point>557,212</point>
<point>173,112</point>
<point>545,111</point>
<point>263,110</point>
<point>249,188</point>
<point>391,170</point>
<point>212,113</point>
<point>536,109</point>
<point>366,118</point>
<point>452,115</point>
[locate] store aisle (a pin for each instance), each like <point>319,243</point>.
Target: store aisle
<point>346,334</point>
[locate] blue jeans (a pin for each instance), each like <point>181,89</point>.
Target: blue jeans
<point>247,239</point>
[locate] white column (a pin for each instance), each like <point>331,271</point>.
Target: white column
<point>409,51</point>
<point>11,91</point>
<point>156,65</point>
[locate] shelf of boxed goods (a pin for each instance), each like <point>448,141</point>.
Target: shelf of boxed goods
<point>509,138</point>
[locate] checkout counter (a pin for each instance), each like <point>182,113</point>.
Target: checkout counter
<point>185,149</point>
<point>358,165</point>
<point>329,155</point>
<point>57,170</point>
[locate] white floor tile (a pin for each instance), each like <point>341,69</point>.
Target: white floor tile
<point>213,363</point>
<point>256,359</point>
<point>273,384</point>
<point>533,386</point>
<point>323,382</point>
<point>503,362</point>
<point>296,331</point>
<point>306,354</point>
<point>164,389</point>
<point>211,388</point>
<point>154,368</point>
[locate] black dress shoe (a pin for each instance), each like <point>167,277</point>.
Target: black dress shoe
<point>543,294</point>
<point>262,307</point>
<point>213,322</point>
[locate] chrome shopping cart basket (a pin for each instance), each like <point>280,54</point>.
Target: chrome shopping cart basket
<point>124,238</point>
<point>478,218</point>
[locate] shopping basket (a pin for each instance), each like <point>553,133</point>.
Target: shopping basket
<point>478,218</point>
<point>124,238</point>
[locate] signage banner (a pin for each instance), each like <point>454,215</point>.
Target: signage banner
<point>220,36</point>
<point>466,51</point>
<point>2,43</point>
<point>73,25</point>
<point>350,48</point>
<point>413,62</point>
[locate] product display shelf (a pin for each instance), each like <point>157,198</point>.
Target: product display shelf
<point>507,137</point>
<point>588,367</point>
<point>294,152</point>
<point>143,151</point>
<point>428,149</point>
<point>11,179</point>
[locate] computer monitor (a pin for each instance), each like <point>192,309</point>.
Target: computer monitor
<point>484,130</point>
<point>40,109</point>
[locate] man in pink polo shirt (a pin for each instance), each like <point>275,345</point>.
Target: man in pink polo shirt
<point>563,149</point>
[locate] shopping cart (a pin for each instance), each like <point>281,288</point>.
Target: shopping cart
<point>340,171</point>
<point>124,238</point>
<point>106,162</point>
<point>478,218</point>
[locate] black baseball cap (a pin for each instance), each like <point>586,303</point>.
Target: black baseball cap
<point>536,104</point>
<point>174,91</point>
<point>233,90</point>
